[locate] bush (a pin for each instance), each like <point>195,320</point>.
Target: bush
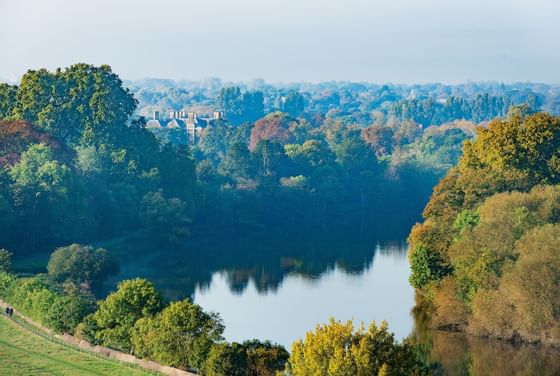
<point>265,358</point>
<point>67,312</point>
<point>226,360</point>
<point>37,298</point>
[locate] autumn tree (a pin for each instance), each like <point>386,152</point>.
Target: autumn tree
<point>380,139</point>
<point>338,349</point>
<point>274,127</point>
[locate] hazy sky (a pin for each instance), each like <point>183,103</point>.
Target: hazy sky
<point>400,41</point>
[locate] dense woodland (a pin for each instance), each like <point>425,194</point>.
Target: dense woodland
<point>486,259</point>
<point>76,155</point>
<point>77,166</point>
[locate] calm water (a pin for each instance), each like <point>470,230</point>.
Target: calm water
<point>378,292</point>
<point>278,285</point>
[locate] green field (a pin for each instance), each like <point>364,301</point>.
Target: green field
<point>24,353</point>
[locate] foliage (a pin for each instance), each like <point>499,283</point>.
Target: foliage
<point>81,264</point>
<point>380,139</point>
<point>165,219</point>
<point>265,358</point>
<point>16,137</point>
<point>181,335</point>
<point>5,260</point>
<point>7,99</point>
<point>489,239</point>
<point>37,298</point>
<point>426,266</point>
<point>240,107</point>
<point>226,360</point>
<point>337,349</point>
<point>426,111</point>
<point>274,127</point>
<point>75,157</point>
<point>117,314</point>
<point>67,312</point>
<point>292,103</point>
<point>82,103</point>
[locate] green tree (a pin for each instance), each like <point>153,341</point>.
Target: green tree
<point>40,172</point>
<point>229,99</point>
<point>5,260</point>
<point>238,161</point>
<point>68,311</point>
<point>117,314</point>
<point>42,192</point>
<point>292,103</point>
<point>181,335</point>
<point>7,99</point>
<point>81,264</point>
<point>240,107</point>
<point>165,219</point>
<point>426,266</point>
<point>82,103</point>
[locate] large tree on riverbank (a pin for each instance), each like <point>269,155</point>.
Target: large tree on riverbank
<point>468,257</point>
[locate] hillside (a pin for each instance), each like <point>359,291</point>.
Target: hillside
<point>23,353</point>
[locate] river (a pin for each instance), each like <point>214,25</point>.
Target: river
<point>279,284</point>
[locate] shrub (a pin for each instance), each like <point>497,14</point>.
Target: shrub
<point>226,360</point>
<point>265,358</point>
<point>67,312</point>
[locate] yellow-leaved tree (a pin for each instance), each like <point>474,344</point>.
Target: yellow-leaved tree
<point>337,349</point>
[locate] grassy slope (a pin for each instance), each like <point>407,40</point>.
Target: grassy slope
<point>24,353</point>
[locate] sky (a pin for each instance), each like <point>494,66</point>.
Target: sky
<point>380,41</point>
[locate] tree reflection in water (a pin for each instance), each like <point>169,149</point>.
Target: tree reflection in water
<point>265,258</point>
<point>458,354</point>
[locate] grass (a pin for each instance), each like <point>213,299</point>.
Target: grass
<point>25,353</point>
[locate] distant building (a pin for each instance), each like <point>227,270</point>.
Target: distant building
<point>189,121</point>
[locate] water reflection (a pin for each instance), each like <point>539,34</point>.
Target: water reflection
<point>284,314</point>
<point>277,285</point>
<point>458,354</point>
<point>264,259</point>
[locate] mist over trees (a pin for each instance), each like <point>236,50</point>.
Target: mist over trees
<point>78,166</point>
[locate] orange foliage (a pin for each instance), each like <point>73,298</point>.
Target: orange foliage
<point>273,128</point>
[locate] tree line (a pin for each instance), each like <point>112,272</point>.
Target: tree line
<point>485,258</point>
<point>78,164</point>
<point>136,319</point>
